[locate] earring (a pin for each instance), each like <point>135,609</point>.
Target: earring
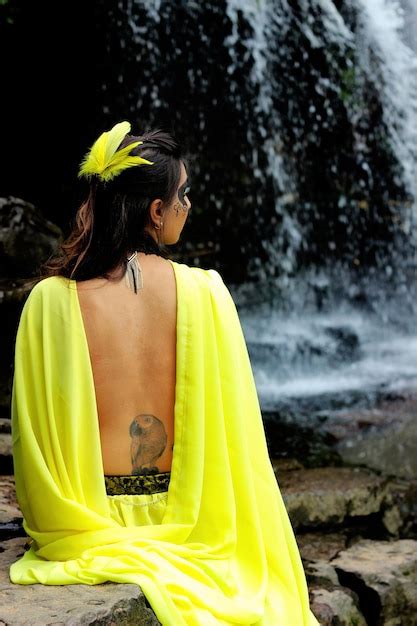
<point>158,228</point>
<point>133,275</point>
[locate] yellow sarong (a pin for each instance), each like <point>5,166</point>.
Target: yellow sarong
<point>217,548</point>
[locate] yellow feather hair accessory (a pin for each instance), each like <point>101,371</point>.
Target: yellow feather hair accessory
<point>104,158</point>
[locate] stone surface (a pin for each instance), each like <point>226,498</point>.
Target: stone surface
<point>6,458</point>
<point>384,575</point>
<point>335,607</point>
<point>400,512</point>
<point>328,495</point>
<point>286,465</point>
<point>107,604</point>
<point>27,238</point>
<point>392,453</point>
<point>13,291</point>
<point>6,377</point>
<point>321,545</point>
<point>298,440</point>
<point>9,509</point>
<point>321,573</point>
<point>383,438</point>
<point>5,425</point>
<point>5,444</point>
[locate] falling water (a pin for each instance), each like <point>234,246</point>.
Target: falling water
<point>335,342</point>
<point>395,70</point>
<point>410,23</point>
<point>303,133</point>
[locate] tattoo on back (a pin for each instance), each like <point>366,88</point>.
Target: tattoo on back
<point>149,440</point>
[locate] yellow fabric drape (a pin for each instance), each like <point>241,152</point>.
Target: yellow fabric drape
<point>218,547</point>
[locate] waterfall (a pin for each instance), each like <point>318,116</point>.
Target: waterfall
<point>385,60</point>
<point>300,120</point>
<point>410,26</point>
<point>264,135</point>
<point>307,359</point>
<point>389,59</point>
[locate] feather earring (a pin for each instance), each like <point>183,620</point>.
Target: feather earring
<point>133,276</point>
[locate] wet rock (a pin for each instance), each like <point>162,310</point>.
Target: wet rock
<point>286,465</point>
<point>336,607</point>
<point>392,452</point>
<point>383,438</point>
<point>27,238</point>
<point>6,380</point>
<point>347,344</point>
<point>332,603</point>
<point>321,545</point>
<point>6,458</point>
<point>321,573</point>
<point>364,502</point>
<point>384,576</point>
<point>327,496</point>
<point>5,425</point>
<point>68,605</point>
<point>10,515</point>
<point>9,509</point>
<point>326,346</point>
<point>5,444</point>
<point>291,439</point>
<point>400,511</point>
<point>13,292</point>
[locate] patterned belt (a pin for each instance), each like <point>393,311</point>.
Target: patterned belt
<point>137,484</point>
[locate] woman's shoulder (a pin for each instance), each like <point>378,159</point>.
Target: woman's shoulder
<point>206,280</point>
<point>48,287</point>
<point>50,283</point>
<point>199,272</point>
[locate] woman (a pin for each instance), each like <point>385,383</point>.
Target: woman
<point>138,443</point>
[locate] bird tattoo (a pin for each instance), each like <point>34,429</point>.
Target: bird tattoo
<point>149,440</point>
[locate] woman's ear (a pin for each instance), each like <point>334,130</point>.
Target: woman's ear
<point>155,211</point>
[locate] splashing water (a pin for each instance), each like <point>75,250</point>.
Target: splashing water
<point>382,26</point>
<point>323,331</point>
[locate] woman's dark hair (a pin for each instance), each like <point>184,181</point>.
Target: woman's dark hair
<point>112,220</point>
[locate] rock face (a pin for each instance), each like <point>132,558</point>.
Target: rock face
<point>352,527</point>
<point>392,451</point>
<point>384,575</point>
<point>26,238</point>
<point>72,605</point>
<point>325,496</point>
<point>336,606</point>
<point>6,459</point>
<point>9,510</point>
<point>383,438</point>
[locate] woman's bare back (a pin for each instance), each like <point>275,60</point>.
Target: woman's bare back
<point>132,344</point>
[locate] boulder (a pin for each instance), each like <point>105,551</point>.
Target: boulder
<point>106,604</point>
<point>326,496</point>
<point>336,607</point>
<point>9,509</point>
<point>27,238</point>
<point>383,438</point>
<point>6,458</point>
<point>321,545</point>
<point>384,576</point>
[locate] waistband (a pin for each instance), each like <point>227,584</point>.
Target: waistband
<point>137,484</point>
